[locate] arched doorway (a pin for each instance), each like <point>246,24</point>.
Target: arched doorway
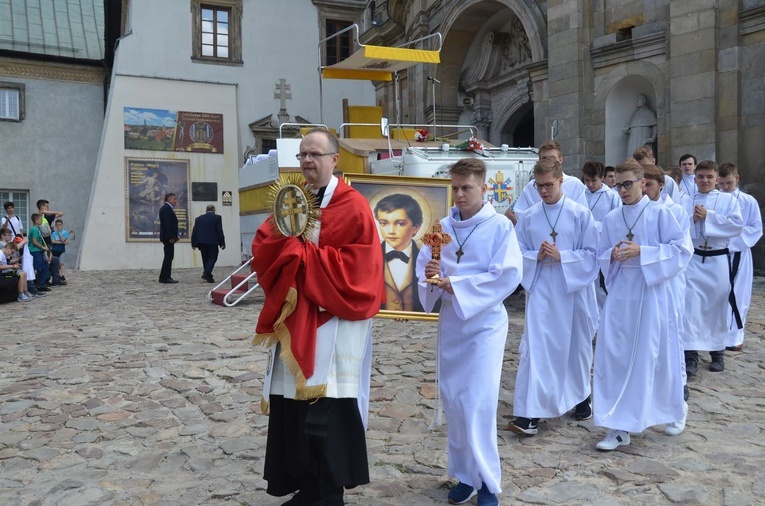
<point>518,131</point>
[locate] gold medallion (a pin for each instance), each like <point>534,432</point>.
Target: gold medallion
<point>295,209</point>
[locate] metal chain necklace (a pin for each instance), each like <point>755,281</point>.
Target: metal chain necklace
<point>554,234</point>
<point>630,235</point>
<point>459,251</point>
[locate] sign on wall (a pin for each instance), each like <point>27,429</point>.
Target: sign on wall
<point>165,130</point>
<point>148,180</point>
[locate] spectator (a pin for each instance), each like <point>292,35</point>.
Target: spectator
<point>60,238</point>
<point>38,248</point>
<point>46,229</point>
<point>14,271</point>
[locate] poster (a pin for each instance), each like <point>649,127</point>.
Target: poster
<point>148,180</point>
<point>165,130</point>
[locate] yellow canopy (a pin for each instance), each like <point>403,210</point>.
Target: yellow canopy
<point>378,63</point>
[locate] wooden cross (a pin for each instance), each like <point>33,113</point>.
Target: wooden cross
<point>630,235</point>
<point>705,247</point>
<point>435,240</point>
<point>459,254</point>
<point>553,234</point>
<point>292,207</point>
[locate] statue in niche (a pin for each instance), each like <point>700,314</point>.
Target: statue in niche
<point>641,128</point>
<point>516,50</point>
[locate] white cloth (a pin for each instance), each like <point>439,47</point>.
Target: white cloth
<point>343,354</point>
<point>637,381</point>
<point>561,311</point>
<point>670,188</point>
<point>572,187</point>
<point>705,322</point>
<point>688,185</point>
<point>13,223</point>
<point>742,283</point>
<point>472,331</point>
<point>601,202</point>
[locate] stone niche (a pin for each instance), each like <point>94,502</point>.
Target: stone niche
<point>620,105</point>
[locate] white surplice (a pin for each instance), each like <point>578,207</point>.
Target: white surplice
<point>688,184</point>
<point>705,322</point>
<point>561,310</point>
<point>670,188</point>
<point>472,330</point>
<point>742,283</point>
<point>637,379</point>
<point>601,202</point>
<point>572,188</point>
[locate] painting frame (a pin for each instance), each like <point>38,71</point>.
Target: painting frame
<point>144,195</point>
<point>434,197</point>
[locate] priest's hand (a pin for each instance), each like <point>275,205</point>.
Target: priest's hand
<point>445,284</point>
<point>432,269</point>
<point>699,213</point>
<point>550,250</point>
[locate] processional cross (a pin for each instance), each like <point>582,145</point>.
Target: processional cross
<point>435,240</point>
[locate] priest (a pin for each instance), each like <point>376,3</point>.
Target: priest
<point>321,294</point>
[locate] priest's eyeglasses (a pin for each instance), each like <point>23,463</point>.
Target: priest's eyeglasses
<point>627,185</point>
<point>312,156</point>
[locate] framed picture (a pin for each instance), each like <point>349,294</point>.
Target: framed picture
<point>148,180</point>
<point>405,208</point>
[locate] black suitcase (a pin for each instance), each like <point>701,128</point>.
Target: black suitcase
<point>9,288</point>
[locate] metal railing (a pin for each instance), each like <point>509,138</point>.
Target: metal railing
<point>234,290</point>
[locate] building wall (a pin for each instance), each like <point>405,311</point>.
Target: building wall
<point>52,152</point>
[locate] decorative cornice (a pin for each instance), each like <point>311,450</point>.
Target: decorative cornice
<point>751,21</point>
<point>51,71</point>
<point>628,50</point>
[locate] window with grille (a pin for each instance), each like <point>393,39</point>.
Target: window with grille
<point>20,201</point>
<point>338,48</point>
<point>11,101</point>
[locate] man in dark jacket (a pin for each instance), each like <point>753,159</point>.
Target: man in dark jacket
<point>207,236</point>
<point>168,234</point>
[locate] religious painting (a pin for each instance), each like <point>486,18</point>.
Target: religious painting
<point>405,209</point>
<point>165,130</point>
<point>148,180</point>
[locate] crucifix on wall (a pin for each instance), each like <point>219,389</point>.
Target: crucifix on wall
<point>283,93</point>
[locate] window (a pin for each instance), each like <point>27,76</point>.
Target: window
<point>338,48</point>
<point>20,201</point>
<point>217,31</point>
<point>11,101</point>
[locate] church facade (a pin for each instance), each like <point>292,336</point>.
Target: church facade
<point>524,70</point>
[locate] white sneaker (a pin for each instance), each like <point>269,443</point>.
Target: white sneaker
<point>614,439</point>
<point>677,428</point>
<point>30,295</point>
<point>23,298</point>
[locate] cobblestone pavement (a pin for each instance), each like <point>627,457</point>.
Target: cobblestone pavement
<point>119,390</point>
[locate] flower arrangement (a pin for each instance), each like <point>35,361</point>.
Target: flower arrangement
<point>471,144</point>
<point>421,135</point>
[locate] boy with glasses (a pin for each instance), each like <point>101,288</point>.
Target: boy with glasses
<point>559,241</point>
<point>637,378</point>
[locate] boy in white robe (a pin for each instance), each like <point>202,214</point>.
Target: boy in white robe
<point>716,220</point>
<point>742,268</point>
<point>644,156</point>
<point>637,379</point>
<point>688,166</point>
<point>559,242</point>
<point>477,270</point>
<point>572,187</point>
<point>601,200</point>
<point>654,180</point>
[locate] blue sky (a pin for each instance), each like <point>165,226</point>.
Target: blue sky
<point>153,117</point>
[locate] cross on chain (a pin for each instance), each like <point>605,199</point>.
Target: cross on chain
<point>436,239</point>
<point>292,207</point>
<point>705,247</point>
<point>553,234</point>
<point>630,236</point>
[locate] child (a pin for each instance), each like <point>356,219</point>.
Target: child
<point>742,269</point>
<point>559,241</point>
<point>610,176</point>
<point>637,379</point>
<point>479,268</point>
<point>6,270</point>
<point>399,217</point>
<point>716,218</point>
<point>59,238</point>
<point>38,248</point>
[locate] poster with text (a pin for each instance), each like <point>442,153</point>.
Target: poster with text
<point>165,130</point>
<point>148,181</point>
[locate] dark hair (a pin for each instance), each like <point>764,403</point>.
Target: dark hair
<point>707,165</point>
<point>59,220</point>
<point>5,230</point>
<point>401,201</point>
<point>168,195</point>
<point>9,204</point>
<point>333,144</point>
<point>593,168</point>
<point>35,217</point>
<point>608,168</point>
<point>675,173</point>
<point>41,203</point>
<point>687,156</point>
<point>727,169</point>
<point>210,207</point>
<point>469,167</point>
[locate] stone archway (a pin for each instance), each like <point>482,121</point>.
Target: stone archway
<point>518,130</point>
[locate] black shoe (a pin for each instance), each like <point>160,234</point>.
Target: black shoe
<point>43,289</point>
<point>735,348</point>
<point>168,281</point>
<point>210,280</point>
<point>718,363</point>
<point>691,363</point>
<point>524,426</point>
<point>686,393</point>
<point>583,410</point>
<point>305,498</point>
